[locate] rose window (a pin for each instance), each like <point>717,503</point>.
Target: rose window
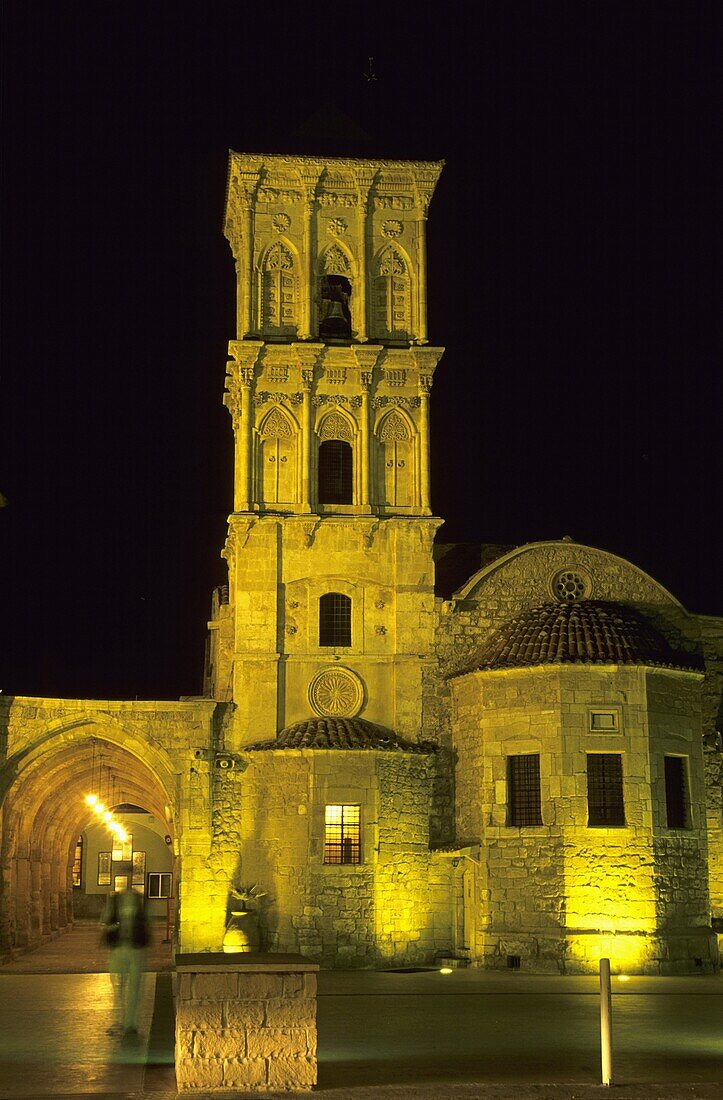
<point>336,693</point>
<point>569,585</point>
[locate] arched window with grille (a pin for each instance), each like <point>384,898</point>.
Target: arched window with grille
<point>336,460</point>
<point>334,619</point>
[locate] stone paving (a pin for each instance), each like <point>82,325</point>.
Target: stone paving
<point>389,1035</point>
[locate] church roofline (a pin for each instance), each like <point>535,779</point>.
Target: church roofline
<point>291,159</point>
<point>499,563</point>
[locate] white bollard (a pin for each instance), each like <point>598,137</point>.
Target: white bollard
<point>606,1023</point>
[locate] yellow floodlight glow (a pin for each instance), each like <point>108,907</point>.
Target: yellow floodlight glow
<point>91,799</point>
<point>445,970</point>
<point>623,977</point>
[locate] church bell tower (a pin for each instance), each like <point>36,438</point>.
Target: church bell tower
<point>329,550</point>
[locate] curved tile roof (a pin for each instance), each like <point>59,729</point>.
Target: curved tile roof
<point>340,733</point>
<point>583,632</point>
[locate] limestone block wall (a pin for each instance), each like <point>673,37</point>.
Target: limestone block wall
<point>248,1024</point>
<point>281,570</point>
<point>712,719</point>
<point>555,894</point>
<point>393,906</point>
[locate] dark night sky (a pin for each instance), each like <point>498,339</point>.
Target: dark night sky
<point>574,277</point>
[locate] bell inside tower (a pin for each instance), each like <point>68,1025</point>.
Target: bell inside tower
<point>334,311</point>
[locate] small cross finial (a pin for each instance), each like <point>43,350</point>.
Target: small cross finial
<point>370,75</point>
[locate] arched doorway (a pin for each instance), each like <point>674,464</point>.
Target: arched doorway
<point>44,811</point>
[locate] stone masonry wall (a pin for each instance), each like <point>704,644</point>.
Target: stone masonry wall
<point>252,1027</point>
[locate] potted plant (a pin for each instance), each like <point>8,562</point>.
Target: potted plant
<point>242,925</point>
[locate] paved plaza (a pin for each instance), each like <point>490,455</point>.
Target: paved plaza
<point>404,1034</point>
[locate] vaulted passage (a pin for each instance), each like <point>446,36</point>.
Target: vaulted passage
<point>43,812</point>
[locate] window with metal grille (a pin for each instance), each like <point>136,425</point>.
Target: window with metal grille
<point>334,619</point>
<point>335,472</point>
<point>605,804</point>
<point>342,834</point>
<point>676,793</point>
<point>523,790</point>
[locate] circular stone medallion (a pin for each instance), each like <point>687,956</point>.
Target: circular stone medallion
<point>336,693</point>
<point>570,585</point>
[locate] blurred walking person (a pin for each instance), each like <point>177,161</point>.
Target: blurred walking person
<point>126,934</point>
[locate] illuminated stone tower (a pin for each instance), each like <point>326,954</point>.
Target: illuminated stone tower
<point>329,550</point>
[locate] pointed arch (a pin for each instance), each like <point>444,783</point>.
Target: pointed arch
<point>392,295</point>
<point>395,436</point>
<point>278,305</point>
<point>335,285</point>
<point>278,459</point>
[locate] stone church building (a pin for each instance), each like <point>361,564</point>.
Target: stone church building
<point>417,751</point>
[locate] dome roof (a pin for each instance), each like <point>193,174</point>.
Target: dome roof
<point>340,733</point>
<point>583,632</point>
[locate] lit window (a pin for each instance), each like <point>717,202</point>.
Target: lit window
<point>335,472</point>
<point>160,885</point>
<point>342,834</point>
<point>123,849</point>
<point>604,721</point>
<point>676,793</point>
<point>605,789</point>
<point>104,862</point>
<point>335,619</point>
<point>523,790</point>
<point>78,861</point>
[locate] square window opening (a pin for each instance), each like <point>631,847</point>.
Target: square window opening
<point>524,803</point>
<point>677,810</point>
<point>342,834</point>
<point>605,805</point>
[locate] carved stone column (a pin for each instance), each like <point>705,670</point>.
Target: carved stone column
<point>307,254</point>
<point>425,385</point>
<point>366,359</point>
<point>364,181</point>
<point>307,356</point>
<point>239,381</point>
<point>248,282</point>
<point>421,326</point>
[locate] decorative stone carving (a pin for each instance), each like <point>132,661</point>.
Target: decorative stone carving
<point>262,397</point>
<point>279,258</point>
<point>335,262</point>
<point>393,202</point>
<point>336,693</point>
<point>281,222</point>
<point>381,402</point>
<point>279,374</point>
<point>335,374</point>
<point>329,399</point>
<point>335,198</point>
<point>337,227</point>
<point>273,194</point>
<point>391,263</point>
<point>276,424</point>
<point>392,228</point>
<point>335,426</point>
<point>393,427</point>
<point>395,377</point>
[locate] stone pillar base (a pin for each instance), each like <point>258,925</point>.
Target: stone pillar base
<point>245,1022</point>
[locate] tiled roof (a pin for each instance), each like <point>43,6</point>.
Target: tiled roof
<point>341,733</point>
<point>583,632</point>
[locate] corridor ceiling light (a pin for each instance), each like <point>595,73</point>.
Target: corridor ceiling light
<point>91,799</point>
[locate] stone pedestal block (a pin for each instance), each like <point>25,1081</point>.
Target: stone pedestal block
<point>245,1022</point>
